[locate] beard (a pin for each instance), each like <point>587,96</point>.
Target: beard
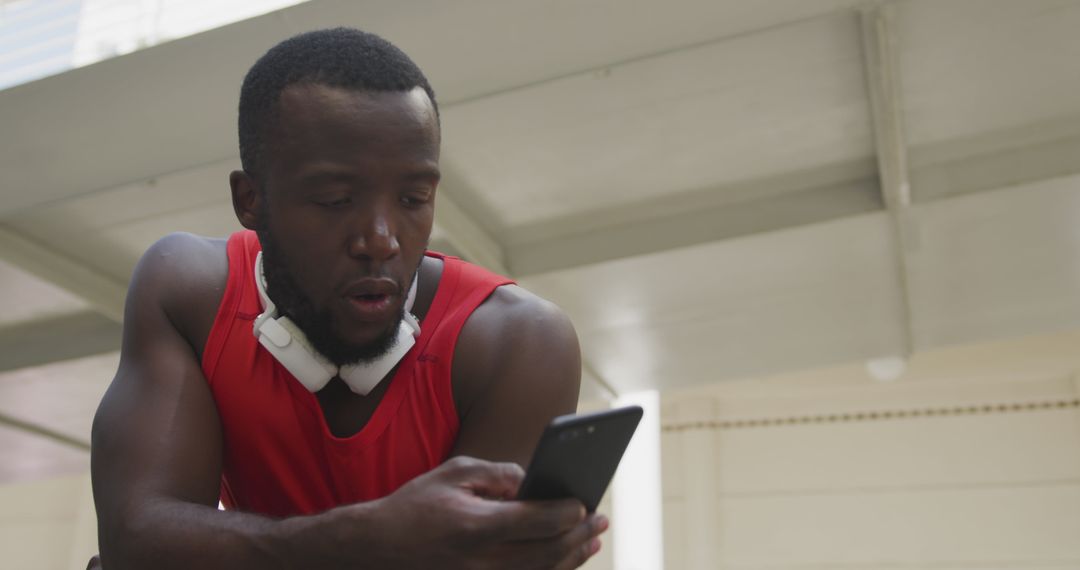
<point>320,326</point>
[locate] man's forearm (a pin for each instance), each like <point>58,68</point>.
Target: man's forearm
<point>169,534</point>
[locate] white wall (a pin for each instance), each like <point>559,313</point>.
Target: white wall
<point>48,525</point>
<point>805,481</point>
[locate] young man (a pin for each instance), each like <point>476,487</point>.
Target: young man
<point>355,401</point>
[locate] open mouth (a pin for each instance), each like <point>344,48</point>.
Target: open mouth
<point>371,299</point>
<point>372,305</point>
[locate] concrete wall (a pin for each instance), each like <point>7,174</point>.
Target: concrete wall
<point>971,460</point>
<point>47,525</point>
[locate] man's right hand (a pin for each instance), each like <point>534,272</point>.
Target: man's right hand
<point>462,515</point>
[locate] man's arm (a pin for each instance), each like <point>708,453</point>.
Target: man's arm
<point>517,365</point>
<point>156,468</point>
<point>156,457</point>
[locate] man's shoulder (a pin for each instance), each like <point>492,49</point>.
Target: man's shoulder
<point>511,319</point>
<point>181,260</point>
<point>517,351</point>
<point>186,275</point>
<point>512,305</point>
<point>188,244</point>
<point>508,306</point>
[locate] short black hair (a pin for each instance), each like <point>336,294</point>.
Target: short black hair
<point>337,57</point>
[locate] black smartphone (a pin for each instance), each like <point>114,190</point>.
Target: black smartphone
<point>577,455</point>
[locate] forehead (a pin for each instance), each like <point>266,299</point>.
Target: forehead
<point>323,122</point>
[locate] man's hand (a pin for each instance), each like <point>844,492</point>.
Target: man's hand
<point>461,515</point>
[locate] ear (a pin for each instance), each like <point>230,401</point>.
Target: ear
<point>246,199</point>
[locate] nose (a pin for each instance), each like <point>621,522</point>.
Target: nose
<point>374,236</point>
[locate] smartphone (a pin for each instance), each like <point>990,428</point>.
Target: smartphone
<point>577,456</point>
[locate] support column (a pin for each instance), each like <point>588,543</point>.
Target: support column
<point>882,69</point>
<point>638,517</point>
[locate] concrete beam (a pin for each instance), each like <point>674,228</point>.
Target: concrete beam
<point>939,171</point>
<point>883,86</point>
<point>460,233</point>
<point>593,385</point>
<point>105,294</point>
<point>466,235</point>
<point>882,70</point>
<point>687,219</point>
<point>34,429</point>
<point>1043,157</point>
<point>58,338</point>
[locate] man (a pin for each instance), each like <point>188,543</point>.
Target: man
<point>411,466</point>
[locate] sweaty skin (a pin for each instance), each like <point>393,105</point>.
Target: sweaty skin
<point>349,187</point>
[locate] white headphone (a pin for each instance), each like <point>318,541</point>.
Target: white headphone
<point>288,344</point>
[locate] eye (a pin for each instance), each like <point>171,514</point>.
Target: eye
<point>415,199</point>
<point>335,202</point>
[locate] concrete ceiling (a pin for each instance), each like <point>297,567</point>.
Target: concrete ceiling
<point>712,190</point>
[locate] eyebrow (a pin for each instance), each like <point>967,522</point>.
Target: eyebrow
<point>425,173</point>
<point>327,176</point>
<point>421,173</point>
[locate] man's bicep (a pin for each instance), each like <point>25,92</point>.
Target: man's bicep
<point>156,433</point>
<point>524,362</point>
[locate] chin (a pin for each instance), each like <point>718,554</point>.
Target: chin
<point>361,333</point>
<point>367,341</point>
<point>360,344</point>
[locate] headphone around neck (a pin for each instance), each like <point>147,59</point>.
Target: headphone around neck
<point>290,346</point>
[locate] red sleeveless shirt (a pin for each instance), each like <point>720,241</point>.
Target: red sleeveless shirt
<point>279,456</point>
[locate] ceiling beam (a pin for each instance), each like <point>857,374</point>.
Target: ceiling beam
<point>683,220</point>
<point>883,85</point>
<point>882,71</point>
<point>989,161</point>
<point>1001,166</point>
<point>105,295</point>
<point>58,338</point>
<point>466,235</point>
<point>595,386</point>
<point>35,429</point>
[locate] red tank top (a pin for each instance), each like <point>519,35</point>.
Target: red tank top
<point>279,456</point>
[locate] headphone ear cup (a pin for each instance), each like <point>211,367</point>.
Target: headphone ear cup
<point>275,334</point>
<point>362,378</point>
<point>295,353</point>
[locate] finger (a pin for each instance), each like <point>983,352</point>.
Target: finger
<point>580,555</point>
<point>485,478</point>
<point>580,548</point>
<point>568,550</point>
<point>537,520</point>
